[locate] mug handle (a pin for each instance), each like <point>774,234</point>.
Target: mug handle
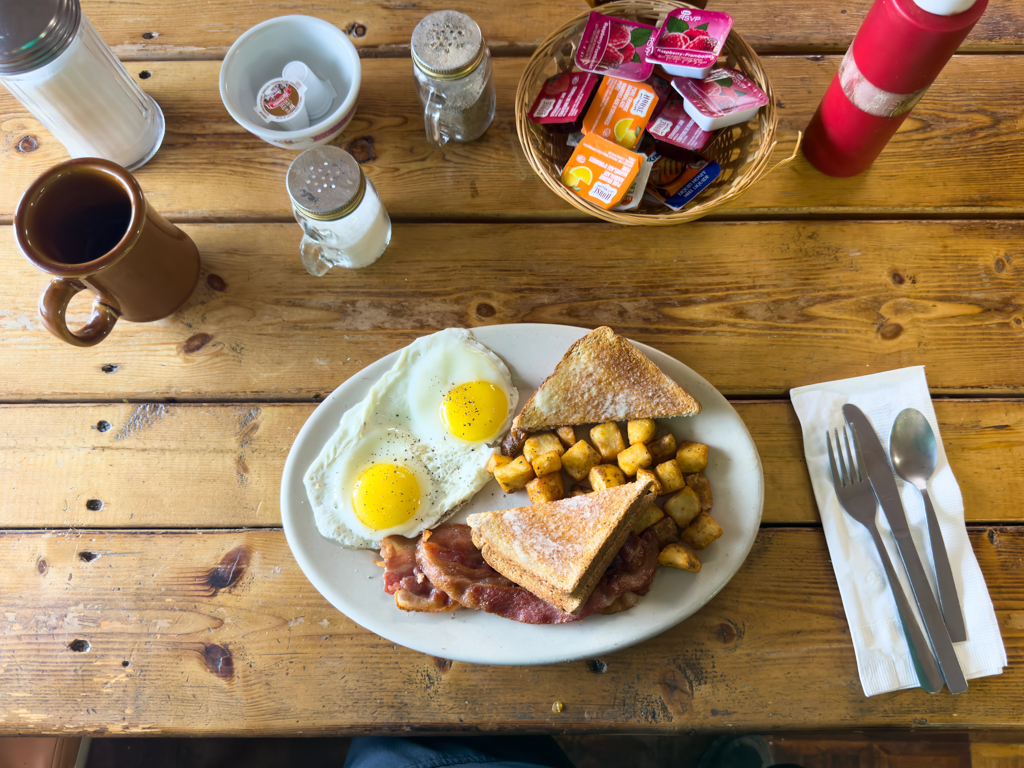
<point>432,118</point>
<point>53,305</point>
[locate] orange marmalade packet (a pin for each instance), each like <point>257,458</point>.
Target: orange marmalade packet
<point>620,111</point>
<point>600,171</point>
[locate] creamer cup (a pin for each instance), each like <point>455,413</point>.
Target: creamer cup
<point>617,47</point>
<point>690,41</point>
<point>723,98</point>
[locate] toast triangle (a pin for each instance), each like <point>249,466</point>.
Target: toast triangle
<point>560,549</point>
<point>603,378</point>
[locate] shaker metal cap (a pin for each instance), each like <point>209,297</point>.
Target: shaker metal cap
<point>326,183</point>
<point>35,32</point>
<point>447,45</point>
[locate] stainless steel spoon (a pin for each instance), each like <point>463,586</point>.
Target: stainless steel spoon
<point>914,455</point>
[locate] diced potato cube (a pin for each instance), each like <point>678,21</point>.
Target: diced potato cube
<point>535,445</point>
<point>701,532</point>
<point>662,449</point>
<point>647,518</point>
<point>514,475</point>
<point>606,476</point>
<point>692,457</point>
<point>577,490</point>
<point>548,487</point>
<point>497,460</point>
<point>567,435</point>
<point>640,431</point>
<point>580,459</point>
<point>669,476</point>
<point>633,458</point>
<point>666,531</point>
<point>678,556</point>
<point>623,602</point>
<point>702,488</point>
<point>608,439</point>
<point>683,507</point>
<point>645,475</point>
<point>547,463</point>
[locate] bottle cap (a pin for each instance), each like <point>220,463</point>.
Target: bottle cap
<point>326,183</point>
<point>34,33</point>
<point>945,7</point>
<point>447,45</point>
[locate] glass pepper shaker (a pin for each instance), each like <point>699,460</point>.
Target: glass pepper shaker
<point>55,63</point>
<point>454,78</point>
<point>343,220</point>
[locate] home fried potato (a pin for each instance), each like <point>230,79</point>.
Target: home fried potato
<point>607,438</point>
<point>549,487</point>
<point>497,460</point>
<point>633,458</point>
<point>567,435</point>
<point>678,556</point>
<point>701,532</point>
<point>692,457</point>
<point>669,476</point>
<point>547,463</point>
<point>683,507</point>
<point>577,490</point>
<point>514,475</point>
<point>623,602</point>
<point>606,476</point>
<point>702,488</point>
<point>647,475</point>
<point>640,431</point>
<point>540,443</point>
<point>666,531</point>
<point>662,449</point>
<point>580,459</point>
<point>647,518</point>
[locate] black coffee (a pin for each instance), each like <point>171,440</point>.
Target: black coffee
<point>83,217</point>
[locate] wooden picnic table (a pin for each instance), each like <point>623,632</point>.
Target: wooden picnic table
<point>147,584</point>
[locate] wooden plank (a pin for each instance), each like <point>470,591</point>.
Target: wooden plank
<point>206,28</point>
<point>756,308</point>
<point>183,639</point>
<point>984,755</point>
<point>209,168</point>
<point>219,466</point>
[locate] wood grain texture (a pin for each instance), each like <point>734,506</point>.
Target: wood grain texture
<point>207,28</point>
<point>210,168</point>
<point>219,466</point>
<point>220,633</point>
<point>756,308</point>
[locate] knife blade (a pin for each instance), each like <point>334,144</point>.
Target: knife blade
<point>883,483</point>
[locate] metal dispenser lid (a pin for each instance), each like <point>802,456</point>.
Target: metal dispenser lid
<point>326,183</point>
<point>447,45</point>
<point>35,32</point>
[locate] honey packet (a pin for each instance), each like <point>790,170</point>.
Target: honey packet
<point>601,171</point>
<point>676,182</point>
<point>620,111</point>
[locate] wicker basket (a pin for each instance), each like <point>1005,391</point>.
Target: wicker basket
<point>743,151</point>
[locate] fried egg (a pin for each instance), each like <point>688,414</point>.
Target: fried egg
<point>415,449</point>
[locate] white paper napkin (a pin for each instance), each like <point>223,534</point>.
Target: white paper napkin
<point>883,657</point>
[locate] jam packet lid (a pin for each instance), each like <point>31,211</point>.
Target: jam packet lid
<point>279,99</point>
<point>620,111</point>
<point>563,97</point>
<point>618,47</point>
<point>674,126</point>
<point>676,182</point>
<point>690,37</point>
<point>600,171</point>
<point>723,92</point>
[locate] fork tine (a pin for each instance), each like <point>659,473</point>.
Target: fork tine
<point>842,464</point>
<point>855,476</point>
<point>836,481</point>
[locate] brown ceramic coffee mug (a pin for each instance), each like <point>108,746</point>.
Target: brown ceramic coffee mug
<point>87,223</point>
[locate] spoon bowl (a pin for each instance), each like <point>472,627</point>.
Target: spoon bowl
<point>912,447</point>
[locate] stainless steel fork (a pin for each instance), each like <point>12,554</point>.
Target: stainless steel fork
<point>857,498</point>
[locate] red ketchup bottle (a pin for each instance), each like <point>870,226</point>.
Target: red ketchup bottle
<point>898,52</point>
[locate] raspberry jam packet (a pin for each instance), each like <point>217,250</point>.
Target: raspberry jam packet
<point>563,100</point>
<point>676,182</point>
<point>675,128</point>
<point>690,41</point>
<point>620,111</point>
<point>601,172</point>
<point>725,97</point>
<point>617,47</point>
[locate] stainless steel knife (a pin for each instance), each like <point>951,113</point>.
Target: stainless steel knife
<point>883,483</point>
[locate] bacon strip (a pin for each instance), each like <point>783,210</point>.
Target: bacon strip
<point>404,578</point>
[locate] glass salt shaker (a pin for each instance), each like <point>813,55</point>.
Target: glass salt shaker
<point>55,63</point>
<point>343,220</point>
<point>454,78</point>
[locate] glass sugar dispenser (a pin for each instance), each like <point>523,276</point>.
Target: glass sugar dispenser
<point>454,77</point>
<point>55,63</point>
<point>343,220</point>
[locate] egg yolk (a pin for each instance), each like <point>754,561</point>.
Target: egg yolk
<point>474,411</point>
<point>385,495</point>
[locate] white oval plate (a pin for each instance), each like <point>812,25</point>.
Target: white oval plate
<point>352,582</point>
